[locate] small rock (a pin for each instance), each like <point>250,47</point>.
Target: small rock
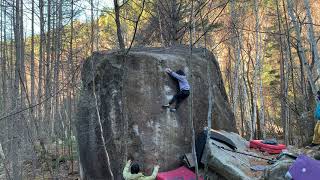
<point>317,156</point>
<point>278,170</point>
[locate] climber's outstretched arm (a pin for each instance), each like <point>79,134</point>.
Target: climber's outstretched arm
<point>177,76</point>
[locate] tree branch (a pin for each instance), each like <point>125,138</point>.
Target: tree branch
<point>209,28</point>
<point>136,27</point>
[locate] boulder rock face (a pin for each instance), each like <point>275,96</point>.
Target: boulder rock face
<point>128,93</point>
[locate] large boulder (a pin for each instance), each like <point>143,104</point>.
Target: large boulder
<point>129,93</point>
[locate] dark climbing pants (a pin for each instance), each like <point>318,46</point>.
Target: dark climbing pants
<point>179,97</point>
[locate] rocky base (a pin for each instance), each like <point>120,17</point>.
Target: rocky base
<point>230,165</point>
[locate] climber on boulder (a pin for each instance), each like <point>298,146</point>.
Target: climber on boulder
<point>135,174</point>
<point>184,88</point>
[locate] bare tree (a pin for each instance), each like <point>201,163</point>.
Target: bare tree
<point>136,26</point>
<point>210,107</point>
<point>300,48</point>
<point>236,43</point>
<point>191,91</point>
<point>47,105</point>
<point>258,89</point>
<point>118,23</point>
<point>70,87</point>
<point>40,68</point>
<point>13,136</point>
<point>92,27</point>
<point>284,80</point>
<point>3,56</point>
<point>312,40</point>
<point>32,64</point>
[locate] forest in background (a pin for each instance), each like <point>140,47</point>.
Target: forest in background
<point>267,51</point>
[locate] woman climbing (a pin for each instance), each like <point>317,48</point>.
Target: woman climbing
<point>184,88</point>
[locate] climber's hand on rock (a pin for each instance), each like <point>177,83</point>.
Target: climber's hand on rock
<point>168,70</point>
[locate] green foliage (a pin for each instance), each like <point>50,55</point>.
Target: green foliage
<point>271,72</point>
<point>269,3</point>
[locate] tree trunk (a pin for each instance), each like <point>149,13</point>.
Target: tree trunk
<point>14,122</point>
<point>32,56</point>
<point>4,58</point>
<point>70,86</point>
<point>118,23</point>
<point>300,47</point>
<point>160,25</point>
<point>283,83</point>
<point>40,69</point>
<point>311,38</point>
<point>191,93</point>
<point>48,70</point>
<point>210,104</point>
<point>236,41</point>
<point>92,28</point>
<point>257,72</point>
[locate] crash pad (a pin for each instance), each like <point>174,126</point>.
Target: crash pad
<point>181,173</point>
<point>272,149</point>
<point>304,168</point>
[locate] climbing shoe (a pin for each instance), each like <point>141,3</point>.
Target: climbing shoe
<point>173,110</point>
<point>166,106</point>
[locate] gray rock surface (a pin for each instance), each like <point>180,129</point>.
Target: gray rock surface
<point>228,164</point>
<point>2,172</point>
<point>278,170</point>
<point>130,93</point>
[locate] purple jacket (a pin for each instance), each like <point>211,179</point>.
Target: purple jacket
<point>183,83</point>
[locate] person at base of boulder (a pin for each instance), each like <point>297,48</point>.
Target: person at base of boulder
<point>316,134</point>
<point>135,174</point>
<point>184,88</point>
